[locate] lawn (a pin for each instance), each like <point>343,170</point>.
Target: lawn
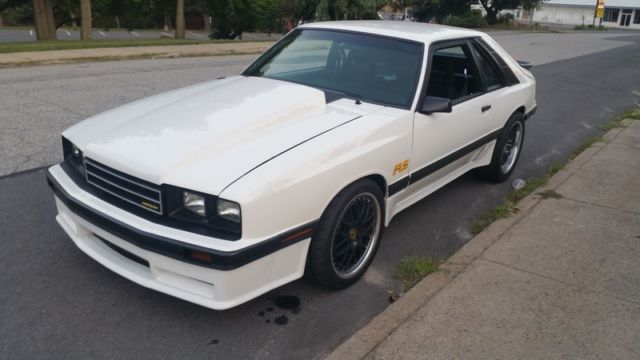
<point>90,44</point>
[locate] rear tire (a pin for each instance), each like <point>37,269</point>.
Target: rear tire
<point>506,151</point>
<point>348,236</point>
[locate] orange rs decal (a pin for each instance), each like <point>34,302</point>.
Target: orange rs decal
<point>401,167</point>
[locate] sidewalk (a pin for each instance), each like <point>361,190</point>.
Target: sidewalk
<point>560,279</point>
<point>65,56</point>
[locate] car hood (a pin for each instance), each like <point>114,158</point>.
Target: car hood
<point>206,136</point>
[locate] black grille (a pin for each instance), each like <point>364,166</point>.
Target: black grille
<point>125,187</point>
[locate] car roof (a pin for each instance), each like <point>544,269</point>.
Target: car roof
<point>415,31</point>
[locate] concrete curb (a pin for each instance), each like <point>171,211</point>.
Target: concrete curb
<point>22,59</point>
<point>371,335</point>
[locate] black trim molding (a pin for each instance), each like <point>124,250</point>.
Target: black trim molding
<point>399,185</point>
<point>531,112</point>
<point>220,260</point>
<point>439,164</point>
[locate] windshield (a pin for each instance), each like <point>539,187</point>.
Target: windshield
<point>370,68</point>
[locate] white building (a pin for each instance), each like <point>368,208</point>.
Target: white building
<point>618,13</point>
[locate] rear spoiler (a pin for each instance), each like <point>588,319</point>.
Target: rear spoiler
<point>525,64</point>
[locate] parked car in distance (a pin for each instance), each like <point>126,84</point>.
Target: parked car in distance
<point>219,192</point>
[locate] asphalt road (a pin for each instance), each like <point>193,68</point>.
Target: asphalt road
<point>58,303</point>
<point>25,35</point>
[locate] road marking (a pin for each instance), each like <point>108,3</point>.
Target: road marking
<point>134,33</point>
<point>102,33</point>
<point>195,34</point>
<point>636,93</point>
<point>166,34</point>
<point>68,33</point>
<point>30,32</point>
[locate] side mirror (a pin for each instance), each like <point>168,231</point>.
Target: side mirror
<point>435,104</point>
<point>525,64</point>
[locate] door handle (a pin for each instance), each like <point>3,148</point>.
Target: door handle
<point>486,107</point>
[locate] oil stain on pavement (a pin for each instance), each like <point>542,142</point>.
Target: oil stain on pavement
<point>282,303</point>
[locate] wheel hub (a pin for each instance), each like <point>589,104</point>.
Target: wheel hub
<point>511,148</point>
<point>355,235</point>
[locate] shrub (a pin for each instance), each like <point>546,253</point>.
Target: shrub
<point>470,20</point>
<point>505,18</point>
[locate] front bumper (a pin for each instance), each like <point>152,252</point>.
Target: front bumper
<point>158,261</point>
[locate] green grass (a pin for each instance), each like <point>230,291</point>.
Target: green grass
<point>92,44</point>
<point>509,205</point>
<point>498,212</point>
<point>411,269</point>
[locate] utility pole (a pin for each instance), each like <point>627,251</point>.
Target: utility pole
<point>85,19</point>
<point>599,12</point>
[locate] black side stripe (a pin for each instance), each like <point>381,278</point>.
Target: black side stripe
<point>439,164</point>
<point>399,185</point>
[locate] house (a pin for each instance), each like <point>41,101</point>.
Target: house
<point>618,13</point>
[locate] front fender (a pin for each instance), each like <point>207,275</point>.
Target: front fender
<point>304,180</point>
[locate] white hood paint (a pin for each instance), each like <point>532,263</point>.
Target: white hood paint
<point>204,137</point>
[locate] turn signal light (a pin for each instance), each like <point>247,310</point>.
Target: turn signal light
<point>201,256</point>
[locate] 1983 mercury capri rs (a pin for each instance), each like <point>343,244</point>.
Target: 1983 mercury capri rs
<point>222,191</point>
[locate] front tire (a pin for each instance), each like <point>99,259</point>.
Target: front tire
<point>506,151</point>
<point>348,236</point>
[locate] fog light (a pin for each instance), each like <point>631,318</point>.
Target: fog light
<point>76,152</point>
<point>194,203</point>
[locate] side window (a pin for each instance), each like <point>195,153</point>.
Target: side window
<point>487,70</point>
<point>453,75</point>
<point>508,75</point>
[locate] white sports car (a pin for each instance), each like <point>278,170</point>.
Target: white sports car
<point>219,192</point>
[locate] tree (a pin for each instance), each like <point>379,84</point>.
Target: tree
<point>179,19</point>
<point>300,10</point>
<point>530,6</point>
<point>346,10</point>
<point>43,18</point>
<point>269,15</point>
<point>439,9</point>
<point>85,19</point>
<point>493,7</point>
<point>231,18</point>
<point>16,11</point>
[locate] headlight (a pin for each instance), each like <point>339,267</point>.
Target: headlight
<point>229,210</point>
<point>195,210</point>
<point>194,203</point>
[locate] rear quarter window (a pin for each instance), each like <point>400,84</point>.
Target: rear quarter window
<point>509,77</point>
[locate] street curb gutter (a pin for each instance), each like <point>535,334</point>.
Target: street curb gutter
<point>376,331</point>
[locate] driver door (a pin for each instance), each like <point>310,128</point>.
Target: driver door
<point>443,142</point>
